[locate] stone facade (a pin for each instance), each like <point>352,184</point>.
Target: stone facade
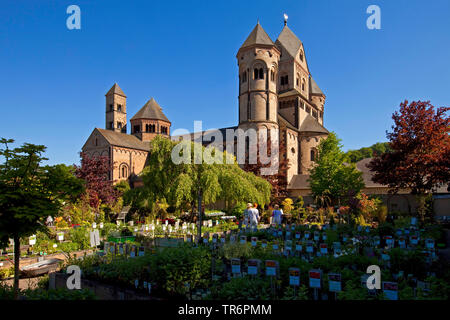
<point>127,153</point>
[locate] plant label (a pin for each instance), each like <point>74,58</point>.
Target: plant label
<point>271,268</point>
<point>294,277</point>
<point>243,239</point>
<point>254,241</point>
<point>315,277</point>
<point>136,283</point>
<point>60,236</point>
<point>232,238</point>
<point>413,221</point>
<point>429,243</point>
<point>101,225</point>
<point>309,248</point>
<point>141,251</point>
<point>236,266</point>
<point>390,290</point>
<point>32,240</point>
<point>334,282</point>
<point>263,244</point>
<point>222,238</point>
<point>307,235</point>
<point>297,235</point>
<point>298,247</point>
<point>288,234</point>
<point>121,248</point>
<point>252,267</point>
<point>414,240</point>
<point>275,246</point>
<point>324,237</point>
<point>323,248</point>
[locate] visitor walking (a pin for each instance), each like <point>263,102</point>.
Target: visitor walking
<point>251,217</point>
<point>276,215</point>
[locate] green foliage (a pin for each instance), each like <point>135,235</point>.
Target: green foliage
<point>378,148</point>
<point>332,178</point>
<point>236,250</point>
<point>288,205</point>
<point>180,184</point>
<point>238,210</point>
<point>245,288</point>
<point>80,236</point>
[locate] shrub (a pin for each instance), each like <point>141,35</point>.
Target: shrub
<point>245,289</point>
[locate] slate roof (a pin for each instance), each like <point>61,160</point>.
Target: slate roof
<point>312,125</point>
<point>151,110</point>
<point>289,41</point>
<point>314,88</point>
<point>257,37</point>
<point>367,174</point>
<point>124,140</point>
<point>115,89</point>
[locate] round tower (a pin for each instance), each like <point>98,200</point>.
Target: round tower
<point>258,60</point>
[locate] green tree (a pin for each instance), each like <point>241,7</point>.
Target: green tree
<point>29,193</point>
<point>332,178</point>
<point>196,180</point>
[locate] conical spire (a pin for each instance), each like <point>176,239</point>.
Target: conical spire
<point>289,41</point>
<point>115,89</point>
<point>151,110</point>
<point>257,37</point>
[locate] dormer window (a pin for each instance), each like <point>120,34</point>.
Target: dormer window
<point>284,80</point>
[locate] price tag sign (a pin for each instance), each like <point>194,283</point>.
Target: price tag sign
<point>252,267</point>
<point>414,240</point>
<point>294,277</point>
<point>254,241</point>
<point>236,266</point>
<point>309,247</point>
<point>32,240</point>
<point>263,244</point>
<point>390,290</point>
<point>297,235</point>
<point>316,236</point>
<point>429,243</point>
<point>271,268</point>
<point>315,277</point>
<point>389,241</point>
<point>243,239</point>
<point>334,282</point>
<point>307,235</point>
<point>402,243</point>
<point>275,245</point>
<point>298,247</point>
<point>323,248</point>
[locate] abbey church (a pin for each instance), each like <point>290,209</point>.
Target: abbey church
<point>276,91</point>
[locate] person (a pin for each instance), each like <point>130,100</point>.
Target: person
<point>49,221</point>
<point>251,216</point>
<point>276,215</point>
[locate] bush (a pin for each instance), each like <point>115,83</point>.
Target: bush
<point>238,210</point>
<point>80,236</point>
<point>245,289</point>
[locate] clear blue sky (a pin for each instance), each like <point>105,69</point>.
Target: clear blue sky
<point>182,53</point>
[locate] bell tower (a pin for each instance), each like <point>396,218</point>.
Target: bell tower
<point>116,110</point>
<point>258,60</point>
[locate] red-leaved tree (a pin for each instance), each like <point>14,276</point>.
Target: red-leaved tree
<point>419,156</point>
<point>94,171</point>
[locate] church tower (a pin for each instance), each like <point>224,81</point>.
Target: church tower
<point>116,110</point>
<point>258,60</point>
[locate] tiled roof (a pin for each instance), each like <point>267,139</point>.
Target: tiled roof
<point>123,140</point>
<point>115,89</point>
<point>151,110</point>
<point>257,36</point>
<point>289,41</point>
<point>312,125</point>
<point>314,88</point>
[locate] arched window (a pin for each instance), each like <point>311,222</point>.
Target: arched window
<point>301,55</point>
<point>272,75</point>
<point>303,85</point>
<point>244,77</point>
<point>313,155</point>
<point>258,73</point>
<point>123,171</point>
<point>261,73</point>
<point>96,142</point>
<point>255,74</point>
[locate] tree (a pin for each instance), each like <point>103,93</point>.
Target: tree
<point>29,193</point>
<point>185,183</point>
<point>94,171</point>
<point>331,178</point>
<point>376,149</point>
<point>419,156</point>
